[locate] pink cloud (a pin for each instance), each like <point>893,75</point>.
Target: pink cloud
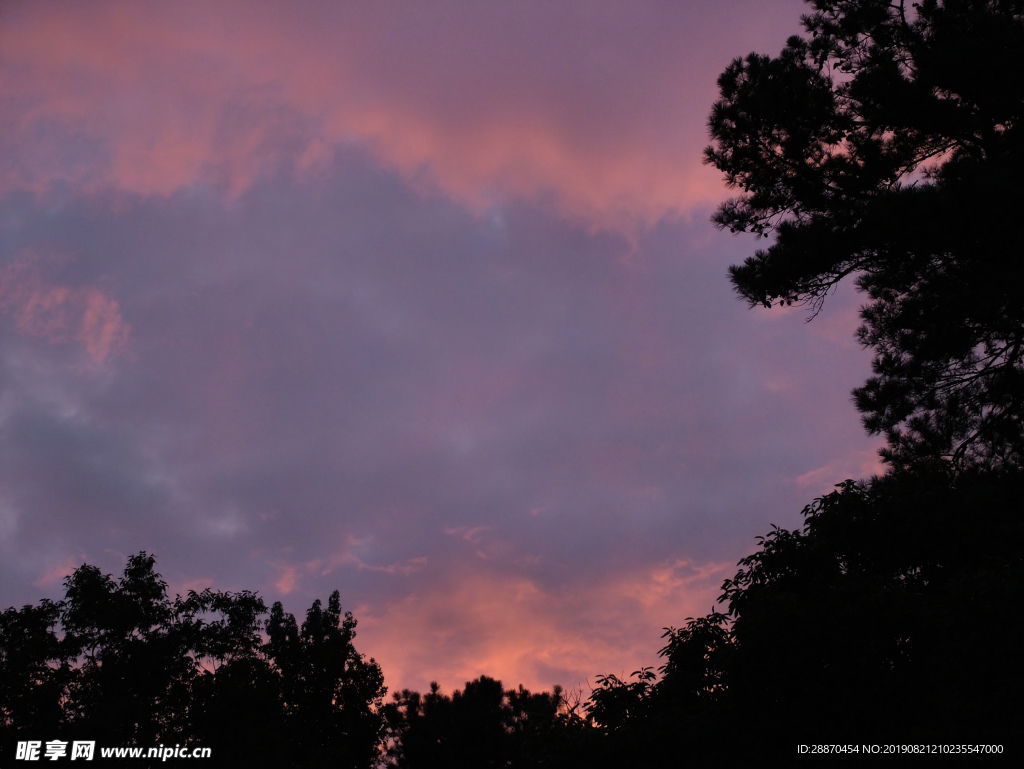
<point>598,108</point>
<point>854,464</point>
<point>287,580</point>
<point>54,575</point>
<point>61,314</point>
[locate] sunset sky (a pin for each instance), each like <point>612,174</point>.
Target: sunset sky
<point>420,302</point>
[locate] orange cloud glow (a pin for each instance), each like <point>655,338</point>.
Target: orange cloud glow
<point>512,628</point>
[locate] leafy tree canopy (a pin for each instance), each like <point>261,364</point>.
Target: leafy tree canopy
<point>887,143</point>
<point>120,662</point>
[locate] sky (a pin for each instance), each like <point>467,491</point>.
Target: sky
<point>419,302</point>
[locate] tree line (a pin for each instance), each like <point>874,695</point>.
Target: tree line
<point>892,615</point>
<point>883,145</point>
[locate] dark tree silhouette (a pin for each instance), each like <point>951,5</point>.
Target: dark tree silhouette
<point>887,143</point>
<point>891,617</point>
<point>485,726</point>
<point>34,669</point>
<point>332,696</point>
<point>121,663</point>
